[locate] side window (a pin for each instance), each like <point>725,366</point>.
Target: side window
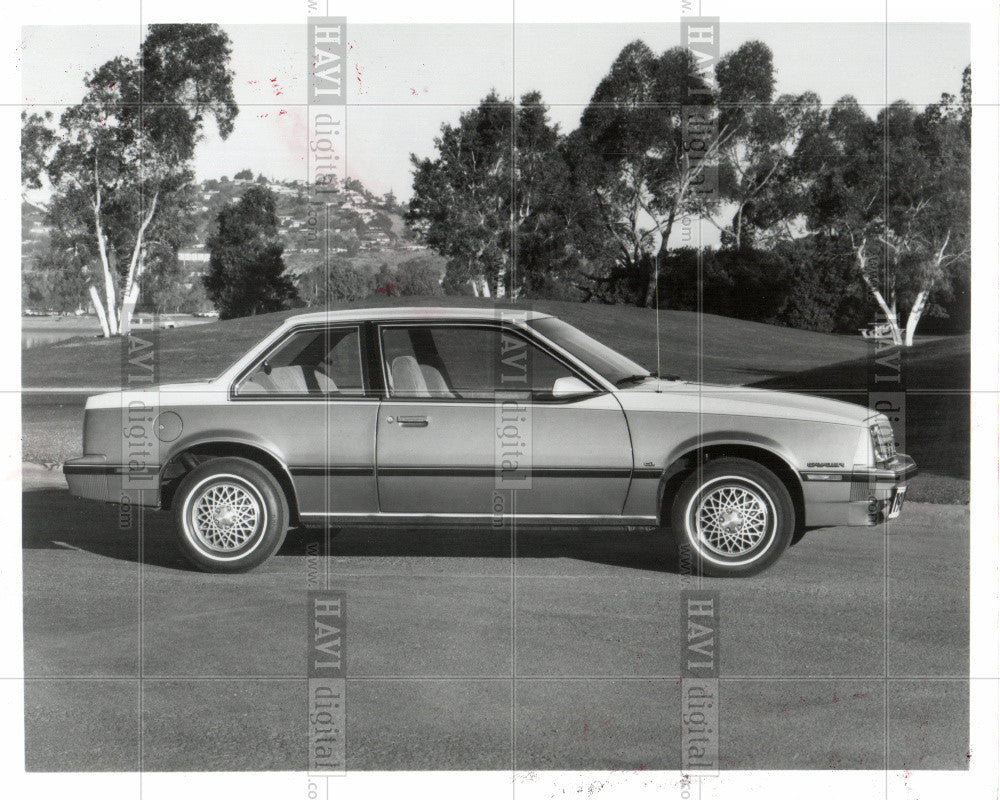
<point>309,363</point>
<point>465,362</point>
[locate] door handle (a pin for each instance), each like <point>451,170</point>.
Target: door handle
<point>412,422</point>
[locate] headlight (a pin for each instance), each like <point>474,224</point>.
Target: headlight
<point>883,441</point>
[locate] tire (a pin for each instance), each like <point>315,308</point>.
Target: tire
<point>231,515</point>
<point>735,517</point>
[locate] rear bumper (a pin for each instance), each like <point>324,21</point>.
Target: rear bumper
<point>855,498</point>
<point>93,478</point>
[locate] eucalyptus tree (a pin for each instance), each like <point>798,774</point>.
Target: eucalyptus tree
<point>484,200</point>
<point>113,174</point>
<point>654,129</point>
<point>897,187</point>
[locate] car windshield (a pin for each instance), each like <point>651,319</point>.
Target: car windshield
<point>607,363</point>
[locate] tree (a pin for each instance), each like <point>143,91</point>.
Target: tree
<point>929,203</point>
<point>243,175</point>
<point>653,128</point>
<point>487,190</point>
<point>117,166</point>
<point>246,269</point>
<point>416,277</point>
<point>54,280</point>
<point>339,281</point>
<point>759,175</point>
<point>898,189</point>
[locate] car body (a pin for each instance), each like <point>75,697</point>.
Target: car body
<point>451,416</point>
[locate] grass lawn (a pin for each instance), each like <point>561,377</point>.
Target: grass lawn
<point>935,373</point>
<point>734,351</point>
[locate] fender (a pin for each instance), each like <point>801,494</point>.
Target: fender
<point>231,438</point>
<point>737,438</point>
<point>676,461</point>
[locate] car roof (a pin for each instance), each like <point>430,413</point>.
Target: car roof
<point>413,312</point>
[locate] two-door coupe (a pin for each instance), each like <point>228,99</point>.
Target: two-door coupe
<point>458,416</point>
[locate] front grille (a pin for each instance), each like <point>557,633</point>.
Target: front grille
<point>883,439</point>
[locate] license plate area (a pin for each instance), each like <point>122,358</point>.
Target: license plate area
<point>896,503</point>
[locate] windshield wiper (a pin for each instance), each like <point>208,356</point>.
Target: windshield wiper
<point>629,379</point>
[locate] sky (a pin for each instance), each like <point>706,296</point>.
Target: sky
<point>406,80</point>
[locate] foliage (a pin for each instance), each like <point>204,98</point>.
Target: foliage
<point>415,277</point>
<point>805,283</point>
<point>822,292</point>
<point>54,281</point>
<point>246,269</point>
<point>488,201</point>
<point>117,165</point>
<point>635,152</point>
<point>168,289</point>
<point>822,210</point>
<point>340,281</point>
<point>898,189</point>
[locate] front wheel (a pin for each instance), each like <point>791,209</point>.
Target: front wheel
<point>231,515</point>
<point>734,516</point>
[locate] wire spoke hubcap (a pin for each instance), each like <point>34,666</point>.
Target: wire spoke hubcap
<point>732,520</point>
<point>225,516</point>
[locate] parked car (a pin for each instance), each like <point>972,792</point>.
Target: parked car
<point>403,416</point>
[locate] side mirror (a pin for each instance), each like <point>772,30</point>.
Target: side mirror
<point>570,387</point>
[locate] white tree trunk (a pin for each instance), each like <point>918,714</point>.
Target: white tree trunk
<point>130,294</point>
<point>913,319</point>
<point>128,307</point>
<point>109,281</point>
<point>95,298</point>
<point>890,313</point>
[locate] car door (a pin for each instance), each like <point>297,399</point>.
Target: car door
<point>308,397</point>
<point>470,417</point>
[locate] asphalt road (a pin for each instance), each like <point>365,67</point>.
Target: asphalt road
<point>851,653</point>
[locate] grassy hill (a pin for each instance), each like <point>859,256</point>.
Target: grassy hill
<point>733,351</point>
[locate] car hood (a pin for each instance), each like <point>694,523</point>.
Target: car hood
<point>706,398</point>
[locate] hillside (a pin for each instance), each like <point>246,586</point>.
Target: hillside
<point>355,227</point>
<point>734,351</point>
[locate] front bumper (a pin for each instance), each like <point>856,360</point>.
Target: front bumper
<point>93,478</point>
<point>881,485</point>
<point>866,502</point>
<point>897,470</point>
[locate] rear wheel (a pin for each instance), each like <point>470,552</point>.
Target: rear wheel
<point>734,516</point>
<point>231,515</point>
